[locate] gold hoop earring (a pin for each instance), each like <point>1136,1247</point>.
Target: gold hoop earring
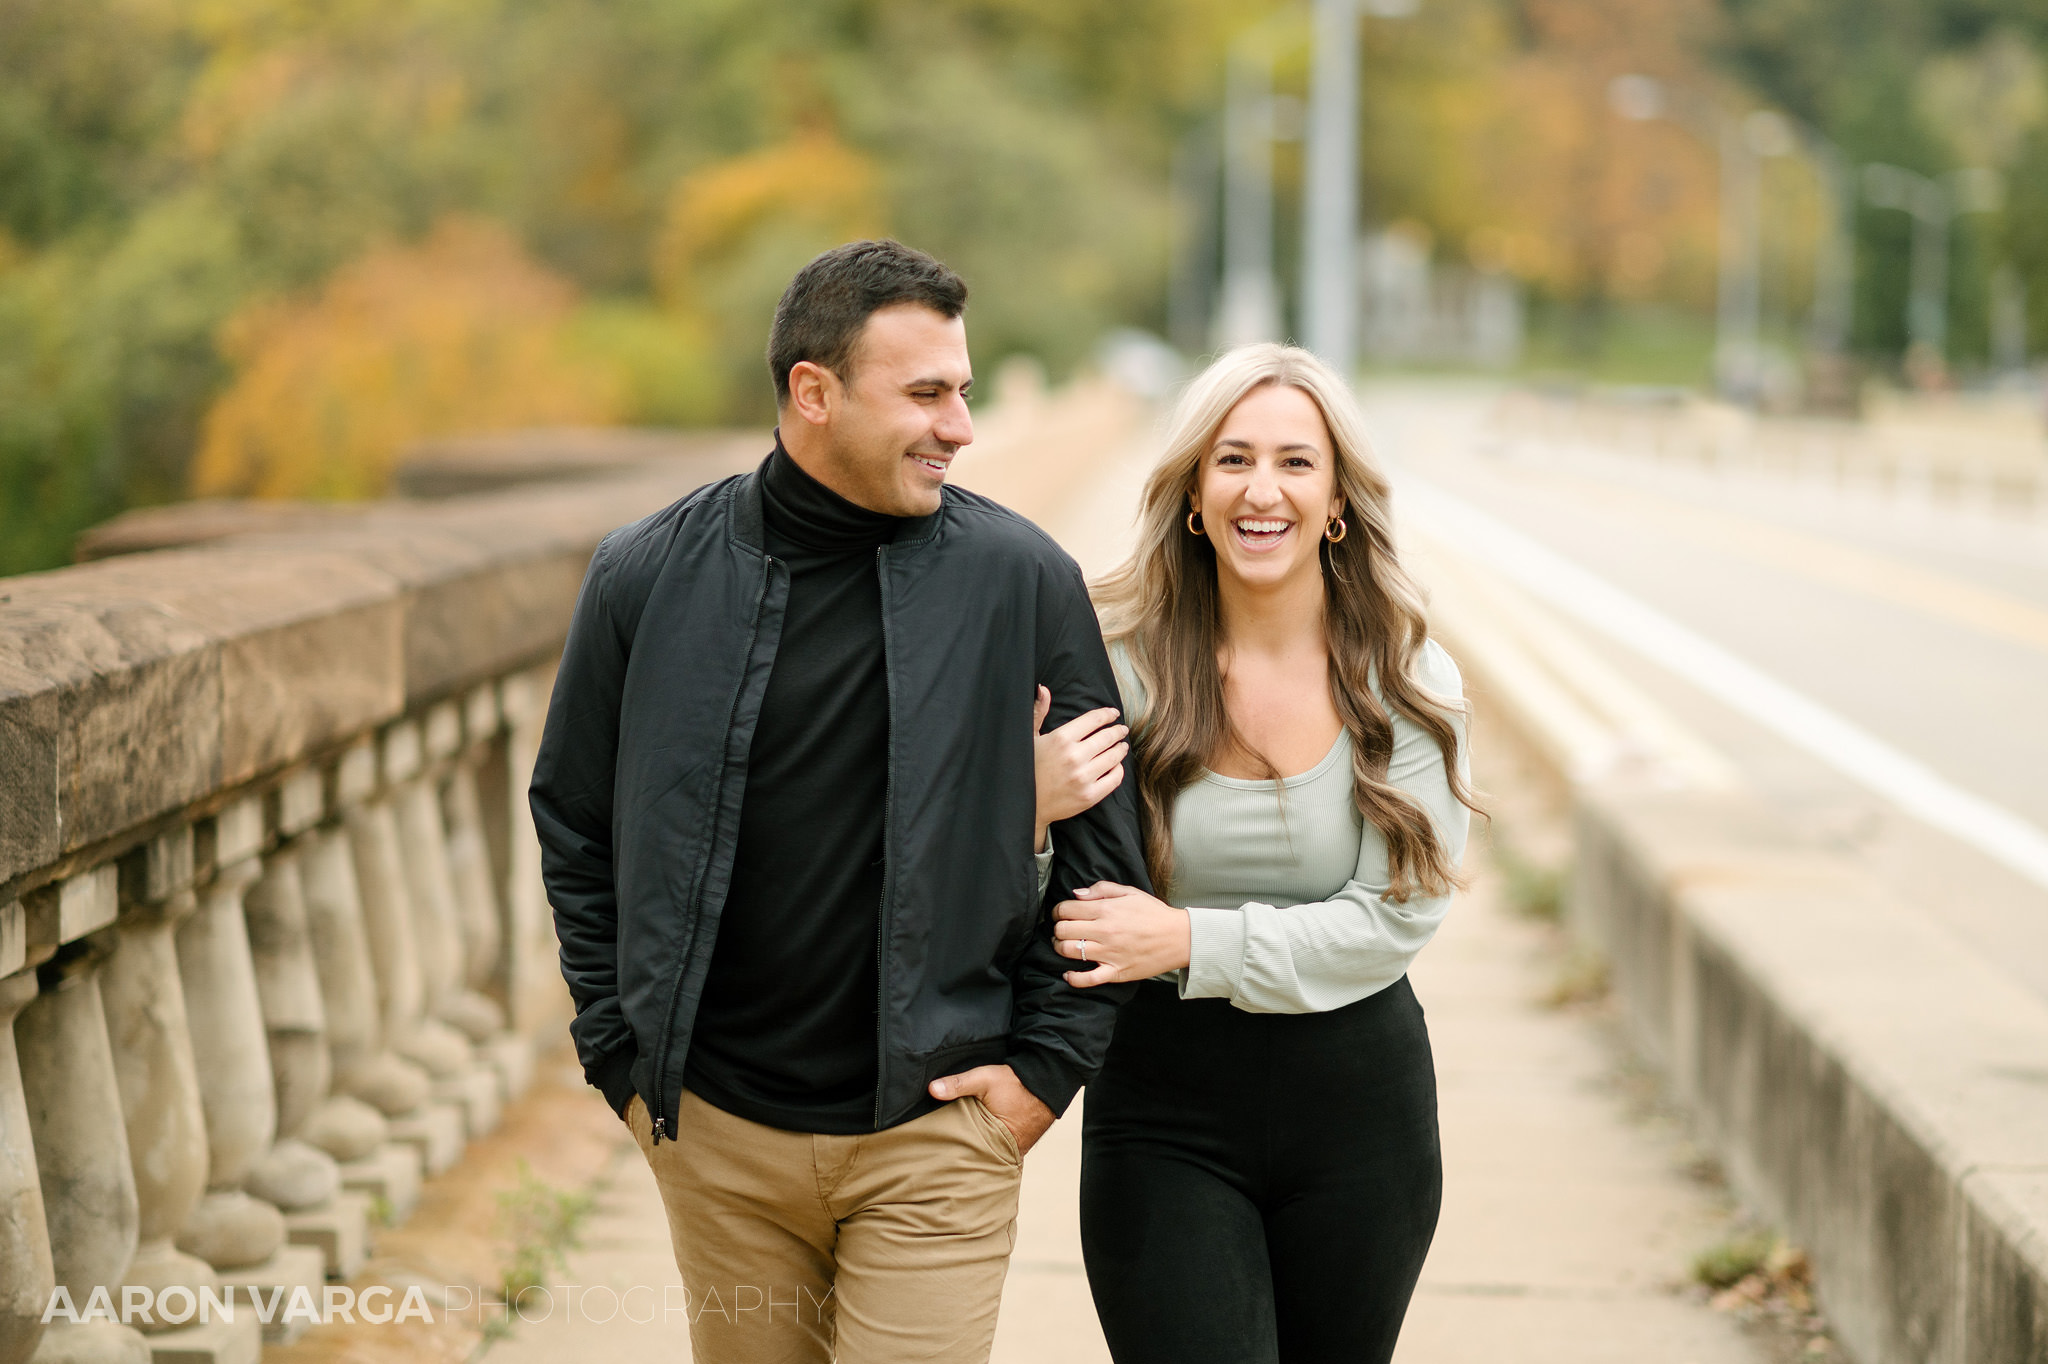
<point>1193,529</point>
<point>1340,528</point>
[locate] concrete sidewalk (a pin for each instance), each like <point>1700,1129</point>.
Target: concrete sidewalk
<point>1567,1224</point>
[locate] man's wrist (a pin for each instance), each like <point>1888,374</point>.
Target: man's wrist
<point>1049,1080</point>
<point>1044,832</point>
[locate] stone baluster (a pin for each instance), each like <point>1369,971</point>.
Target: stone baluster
<point>288,988</point>
<point>228,1228</point>
<point>486,942</point>
<point>394,946</point>
<point>378,860</point>
<point>26,1273</point>
<point>538,998</point>
<point>315,1128</point>
<point>81,1157</point>
<point>469,869</point>
<point>144,1001</point>
<point>488,757</point>
<point>413,764</point>
<point>364,1070</point>
<point>469,853</point>
<point>280,941</point>
<point>238,1234</point>
<point>436,906</point>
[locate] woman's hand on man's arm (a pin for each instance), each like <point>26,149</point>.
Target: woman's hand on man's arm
<point>1077,764</point>
<point>1128,934</point>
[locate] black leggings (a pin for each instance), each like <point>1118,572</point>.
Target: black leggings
<point>1259,1188</point>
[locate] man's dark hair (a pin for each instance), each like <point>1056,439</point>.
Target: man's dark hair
<point>824,308</point>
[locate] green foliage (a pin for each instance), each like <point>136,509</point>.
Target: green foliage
<point>1733,1260</point>
<point>1092,259</point>
<point>672,376</point>
<point>542,1222</point>
<point>166,168</point>
<point>1932,85</point>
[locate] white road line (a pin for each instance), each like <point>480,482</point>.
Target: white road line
<point>1847,747</point>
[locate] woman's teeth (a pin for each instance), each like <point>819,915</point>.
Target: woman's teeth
<point>1257,533</point>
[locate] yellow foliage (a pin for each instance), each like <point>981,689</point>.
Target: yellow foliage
<point>234,92</point>
<point>666,363</point>
<point>461,332</point>
<point>812,182</point>
<point>1586,202</point>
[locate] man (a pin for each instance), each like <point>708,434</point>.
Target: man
<point>786,805</point>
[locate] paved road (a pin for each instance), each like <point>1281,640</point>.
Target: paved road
<point>1924,624</point>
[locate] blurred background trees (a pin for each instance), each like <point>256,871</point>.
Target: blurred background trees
<point>256,246</point>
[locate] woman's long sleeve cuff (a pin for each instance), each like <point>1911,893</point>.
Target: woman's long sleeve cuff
<point>1216,940</point>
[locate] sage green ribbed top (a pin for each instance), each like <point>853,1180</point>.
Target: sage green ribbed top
<point>1285,883</point>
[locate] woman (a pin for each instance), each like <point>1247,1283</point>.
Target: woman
<point>1260,1176</point>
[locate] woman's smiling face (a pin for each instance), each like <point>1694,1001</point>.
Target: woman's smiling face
<point>1268,487</point>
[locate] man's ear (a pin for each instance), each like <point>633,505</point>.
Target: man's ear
<point>814,392</point>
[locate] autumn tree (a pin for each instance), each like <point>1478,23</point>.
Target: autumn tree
<point>463,332</point>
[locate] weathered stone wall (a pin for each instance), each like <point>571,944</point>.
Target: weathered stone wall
<point>1868,1083</point>
<point>269,891</point>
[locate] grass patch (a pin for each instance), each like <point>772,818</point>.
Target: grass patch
<point>1535,891</point>
<point>1581,979</point>
<point>1733,1260</point>
<point>1766,1282</point>
<point>543,1223</point>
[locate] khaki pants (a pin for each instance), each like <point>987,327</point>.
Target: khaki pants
<point>876,1249</point>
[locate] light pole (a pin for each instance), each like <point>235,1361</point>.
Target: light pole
<point>1250,308</point>
<point>1329,220</point>
<point>1329,224</point>
<point>1933,202</point>
<point>1834,266</point>
<point>1192,288</point>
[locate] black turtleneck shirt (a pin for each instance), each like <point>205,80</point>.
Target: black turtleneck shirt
<point>786,1031</point>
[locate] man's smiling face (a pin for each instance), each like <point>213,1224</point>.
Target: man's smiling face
<point>893,431</point>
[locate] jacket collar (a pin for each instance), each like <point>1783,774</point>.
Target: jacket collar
<point>749,519</point>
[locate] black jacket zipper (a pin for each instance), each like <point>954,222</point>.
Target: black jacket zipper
<point>888,863</point>
<point>675,993</point>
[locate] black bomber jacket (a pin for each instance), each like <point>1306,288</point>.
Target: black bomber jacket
<point>638,783</point>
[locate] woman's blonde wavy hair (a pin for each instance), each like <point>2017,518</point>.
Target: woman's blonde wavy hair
<point>1161,605</point>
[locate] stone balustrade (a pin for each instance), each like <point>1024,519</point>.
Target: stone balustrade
<point>273,943</point>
